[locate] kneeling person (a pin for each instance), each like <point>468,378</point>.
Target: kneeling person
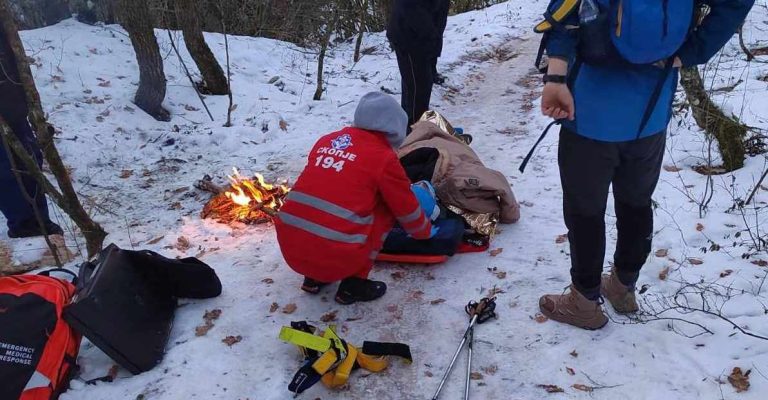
<point>346,201</point>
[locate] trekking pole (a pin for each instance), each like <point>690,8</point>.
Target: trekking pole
<point>480,312</point>
<point>469,364</point>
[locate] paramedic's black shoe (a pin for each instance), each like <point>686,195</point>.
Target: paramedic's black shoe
<point>32,229</point>
<point>438,79</point>
<point>352,290</point>
<point>312,286</point>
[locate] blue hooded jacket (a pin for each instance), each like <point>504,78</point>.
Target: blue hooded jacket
<point>610,102</point>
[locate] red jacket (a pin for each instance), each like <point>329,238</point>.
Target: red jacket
<point>343,205</point>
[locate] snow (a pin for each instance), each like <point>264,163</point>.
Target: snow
<point>87,76</point>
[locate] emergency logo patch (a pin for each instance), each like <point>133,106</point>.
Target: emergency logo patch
<point>342,142</point>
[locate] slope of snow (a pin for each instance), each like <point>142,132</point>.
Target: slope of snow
<point>136,176</point>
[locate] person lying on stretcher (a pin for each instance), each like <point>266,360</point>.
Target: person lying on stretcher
<point>347,199</point>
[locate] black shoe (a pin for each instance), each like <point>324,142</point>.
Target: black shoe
<point>33,230</point>
<point>312,286</point>
<point>352,290</point>
<point>438,79</point>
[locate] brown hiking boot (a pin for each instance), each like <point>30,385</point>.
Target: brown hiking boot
<point>574,309</point>
<point>618,294</point>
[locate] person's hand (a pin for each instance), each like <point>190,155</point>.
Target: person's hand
<point>557,101</point>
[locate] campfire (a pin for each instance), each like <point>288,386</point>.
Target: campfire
<point>247,200</point>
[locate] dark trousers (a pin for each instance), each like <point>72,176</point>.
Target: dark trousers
<point>13,204</point>
<point>417,77</point>
<point>587,170</point>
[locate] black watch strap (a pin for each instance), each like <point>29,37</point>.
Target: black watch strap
<point>555,79</point>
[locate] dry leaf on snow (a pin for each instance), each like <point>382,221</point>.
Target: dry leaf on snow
<point>491,369</point>
<point>329,316</point>
<point>661,253</point>
<point>570,371</point>
<point>496,252</point>
<point>664,273</point>
<point>397,275</point>
<point>126,173</point>
<point>156,240</point>
<point>273,307</point>
<point>574,354</point>
<point>551,388</point>
<point>183,244</point>
<point>726,273</point>
<point>672,168</point>
<point>560,239</point>
<point>289,308</point>
<point>232,340</point>
<point>437,301</point>
<point>583,388</point>
<point>739,380</point>
<point>283,125</point>
<point>695,261</point>
<point>760,263</point>
<point>476,376</point>
<point>699,227</point>
<point>540,318</point>
<point>268,281</point>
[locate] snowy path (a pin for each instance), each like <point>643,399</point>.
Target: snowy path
<point>87,77</point>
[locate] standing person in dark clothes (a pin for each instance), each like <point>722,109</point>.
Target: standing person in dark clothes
<point>615,117</point>
<point>442,20</point>
<point>13,110</point>
<point>416,33</point>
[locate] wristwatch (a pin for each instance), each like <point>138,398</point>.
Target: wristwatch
<point>555,79</point>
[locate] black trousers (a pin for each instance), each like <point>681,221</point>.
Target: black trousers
<point>587,170</point>
<point>417,77</point>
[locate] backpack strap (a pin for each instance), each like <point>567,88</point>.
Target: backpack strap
<point>668,67</point>
<point>62,270</point>
<point>553,21</point>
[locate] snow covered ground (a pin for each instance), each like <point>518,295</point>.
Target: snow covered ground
<point>136,176</point>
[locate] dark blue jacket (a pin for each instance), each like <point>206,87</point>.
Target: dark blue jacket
<point>610,102</point>
<point>416,27</point>
<point>13,100</point>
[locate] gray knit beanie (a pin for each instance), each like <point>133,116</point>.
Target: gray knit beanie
<point>381,113</point>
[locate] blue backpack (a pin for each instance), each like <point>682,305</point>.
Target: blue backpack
<point>624,31</point>
<point>634,31</point>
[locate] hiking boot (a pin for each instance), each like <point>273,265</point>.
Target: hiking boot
<point>33,230</point>
<point>574,309</point>
<point>352,290</point>
<point>621,296</point>
<point>312,286</point>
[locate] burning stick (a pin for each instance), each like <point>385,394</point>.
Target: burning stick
<point>251,201</point>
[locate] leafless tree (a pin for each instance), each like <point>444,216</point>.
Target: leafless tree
<point>137,21</point>
<point>187,15</point>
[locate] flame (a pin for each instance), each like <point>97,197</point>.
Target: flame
<point>254,194</point>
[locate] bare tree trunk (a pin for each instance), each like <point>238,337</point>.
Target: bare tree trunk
<point>363,24</point>
<point>137,20</point>
<point>67,199</point>
<point>326,41</point>
<point>213,76</point>
<point>728,131</point>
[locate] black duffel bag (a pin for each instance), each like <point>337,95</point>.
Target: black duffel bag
<point>126,300</point>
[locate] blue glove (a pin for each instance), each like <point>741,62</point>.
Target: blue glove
<point>425,194</point>
<point>435,230</point>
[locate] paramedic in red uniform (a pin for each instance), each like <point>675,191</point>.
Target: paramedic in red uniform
<point>346,201</point>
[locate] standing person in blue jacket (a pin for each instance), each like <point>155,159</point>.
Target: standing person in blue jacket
<point>415,31</point>
<point>611,79</point>
<point>13,204</point>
